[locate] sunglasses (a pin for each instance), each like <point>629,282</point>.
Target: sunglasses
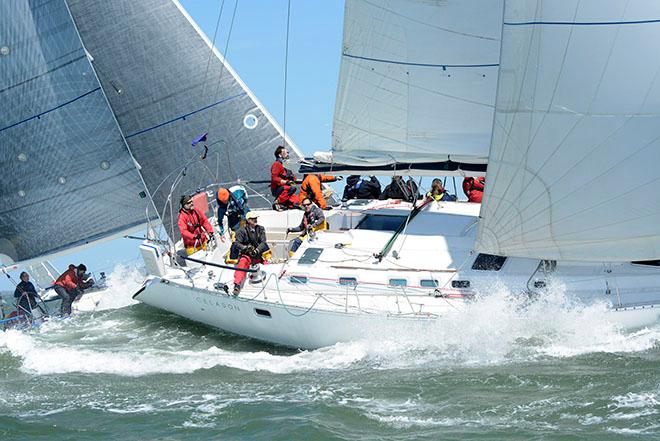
<point>306,205</point>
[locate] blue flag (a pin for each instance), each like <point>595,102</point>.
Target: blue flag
<point>201,138</point>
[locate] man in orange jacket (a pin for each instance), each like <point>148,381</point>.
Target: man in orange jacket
<point>68,285</point>
<point>194,226</point>
<point>311,188</point>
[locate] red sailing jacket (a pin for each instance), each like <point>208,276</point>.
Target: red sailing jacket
<point>69,279</point>
<point>192,224</point>
<point>474,188</point>
<point>278,173</point>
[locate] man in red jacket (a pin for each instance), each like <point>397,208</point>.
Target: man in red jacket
<point>474,188</point>
<point>194,226</point>
<point>282,181</point>
<point>68,285</point>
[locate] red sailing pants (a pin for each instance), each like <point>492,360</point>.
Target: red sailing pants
<point>244,262</point>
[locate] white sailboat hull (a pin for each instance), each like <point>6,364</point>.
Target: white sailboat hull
<point>268,321</point>
<point>334,289</point>
<point>305,328</point>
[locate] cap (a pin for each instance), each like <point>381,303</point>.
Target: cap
<point>223,195</point>
<point>252,215</point>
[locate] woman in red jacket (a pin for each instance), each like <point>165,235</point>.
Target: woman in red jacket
<point>194,226</point>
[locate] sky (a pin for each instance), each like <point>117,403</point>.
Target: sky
<point>256,50</point>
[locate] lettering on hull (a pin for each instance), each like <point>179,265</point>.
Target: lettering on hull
<point>217,304</point>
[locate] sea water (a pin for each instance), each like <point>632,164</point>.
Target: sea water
<point>503,369</point>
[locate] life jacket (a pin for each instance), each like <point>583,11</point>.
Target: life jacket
<point>436,197</point>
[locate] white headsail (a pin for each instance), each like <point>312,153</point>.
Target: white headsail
<point>573,168</point>
<point>417,83</point>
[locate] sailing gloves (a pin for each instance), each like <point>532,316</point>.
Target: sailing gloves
<point>251,251</point>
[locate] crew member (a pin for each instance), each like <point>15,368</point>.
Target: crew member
<point>357,188</point>
<point>400,189</point>
<point>438,192</point>
<point>311,221</point>
<point>69,285</point>
<point>232,203</point>
<point>311,188</point>
<point>26,295</point>
<point>474,188</point>
<point>282,182</point>
<point>194,226</point>
<point>251,244</point>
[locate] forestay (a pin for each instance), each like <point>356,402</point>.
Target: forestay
<point>67,176</point>
<point>417,82</point>
<point>167,87</point>
<point>573,168</point>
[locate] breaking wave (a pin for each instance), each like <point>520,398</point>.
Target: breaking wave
<point>122,283</point>
<point>497,329</point>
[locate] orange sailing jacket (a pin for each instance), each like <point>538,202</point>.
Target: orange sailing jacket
<point>311,188</point>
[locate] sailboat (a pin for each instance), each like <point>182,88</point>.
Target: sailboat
<point>559,104</point>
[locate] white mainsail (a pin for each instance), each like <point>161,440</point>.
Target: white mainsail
<point>573,167</point>
<point>417,82</point>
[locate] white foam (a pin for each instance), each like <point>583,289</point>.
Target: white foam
<point>122,283</point>
<point>44,357</point>
<point>633,400</point>
<point>502,327</point>
<point>405,422</point>
<point>499,328</point>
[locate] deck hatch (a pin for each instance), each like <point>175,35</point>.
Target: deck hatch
<point>310,256</point>
<point>380,222</point>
